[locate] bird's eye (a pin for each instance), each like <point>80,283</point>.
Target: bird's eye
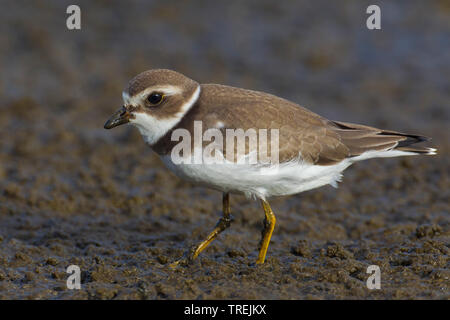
<point>155,98</point>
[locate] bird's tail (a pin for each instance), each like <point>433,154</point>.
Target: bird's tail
<point>361,139</point>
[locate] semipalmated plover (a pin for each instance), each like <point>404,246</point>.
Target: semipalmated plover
<point>311,151</point>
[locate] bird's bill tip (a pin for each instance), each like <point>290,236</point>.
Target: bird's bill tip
<point>121,116</point>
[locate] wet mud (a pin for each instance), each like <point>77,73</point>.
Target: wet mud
<point>72,193</point>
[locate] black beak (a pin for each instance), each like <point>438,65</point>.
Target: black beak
<point>121,116</point>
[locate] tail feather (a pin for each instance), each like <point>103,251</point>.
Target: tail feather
<point>418,150</point>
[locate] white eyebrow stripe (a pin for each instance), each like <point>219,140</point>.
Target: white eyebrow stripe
<point>167,90</point>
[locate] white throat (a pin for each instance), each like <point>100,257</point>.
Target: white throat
<point>152,129</point>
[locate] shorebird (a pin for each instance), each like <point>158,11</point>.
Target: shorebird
<point>311,151</point>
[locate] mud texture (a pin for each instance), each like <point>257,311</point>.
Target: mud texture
<point>74,193</point>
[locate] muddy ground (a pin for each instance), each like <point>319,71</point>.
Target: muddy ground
<point>74,193</point>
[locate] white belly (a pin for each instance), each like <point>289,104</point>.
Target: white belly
<point>259,182</point>
<point>263,182</point>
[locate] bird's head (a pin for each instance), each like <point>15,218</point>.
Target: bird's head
<point>155,101</point>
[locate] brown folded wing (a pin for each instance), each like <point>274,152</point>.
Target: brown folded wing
<point>301,132</point>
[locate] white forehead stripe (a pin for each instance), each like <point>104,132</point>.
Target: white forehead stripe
<point>168,90</point>
<point>125,98</point>
<point>152,129</point>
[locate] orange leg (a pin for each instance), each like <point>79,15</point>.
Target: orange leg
<point>269,225</point>
<point>221,225</point>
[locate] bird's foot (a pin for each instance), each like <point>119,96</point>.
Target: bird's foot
<point>180,262</point>
<point>186,260</point>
